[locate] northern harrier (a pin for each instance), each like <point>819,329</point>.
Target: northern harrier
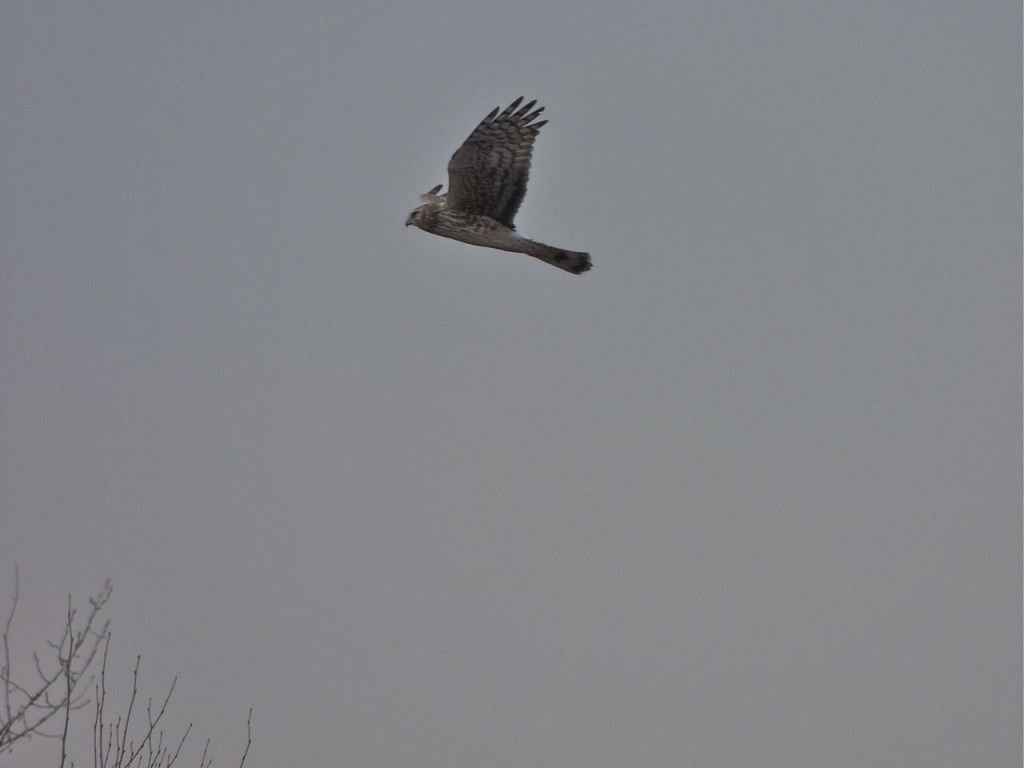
<point>487,178</point>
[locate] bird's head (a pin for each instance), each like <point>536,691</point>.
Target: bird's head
<point>425,217</point>
<point>414,216</point>
<point>432,202</point>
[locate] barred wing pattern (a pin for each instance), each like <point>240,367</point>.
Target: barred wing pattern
<point>487,175</point>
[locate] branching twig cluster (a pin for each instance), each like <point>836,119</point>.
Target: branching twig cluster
<point>61,679</point>
<point>112,747</point>
<point>61,688</point>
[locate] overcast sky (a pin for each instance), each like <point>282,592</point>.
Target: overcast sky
<point>746,494</point>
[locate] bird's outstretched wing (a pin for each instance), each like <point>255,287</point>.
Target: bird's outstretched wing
<point>487,175</point>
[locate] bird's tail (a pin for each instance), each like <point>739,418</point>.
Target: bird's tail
<point>571,261</point>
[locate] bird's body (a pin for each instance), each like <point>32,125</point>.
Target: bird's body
<point>487,178</point>
<point>440,219</point>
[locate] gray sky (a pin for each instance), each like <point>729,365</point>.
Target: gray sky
<point>746,494</point>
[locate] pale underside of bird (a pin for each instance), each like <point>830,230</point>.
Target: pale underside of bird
<point>487,179</point>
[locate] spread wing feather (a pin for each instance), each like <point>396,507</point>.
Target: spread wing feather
<point>487,175</point>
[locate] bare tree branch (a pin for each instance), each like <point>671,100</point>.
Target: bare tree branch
<point>61,676</point>
<point>69,687</point>
<point>5,671</point>
<point>62,682</point>
<point>248,738</point>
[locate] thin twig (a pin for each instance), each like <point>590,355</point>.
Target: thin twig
<point>248,737</point>
<point>6,672</point>
<point>203,763</point>
<point>159,715</point>
<point>184,736</point>
<point>128,717</point>
<point>70,687</point>
<point>98,759</point>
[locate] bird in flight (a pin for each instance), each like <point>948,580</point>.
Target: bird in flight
<point>487,178</point>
